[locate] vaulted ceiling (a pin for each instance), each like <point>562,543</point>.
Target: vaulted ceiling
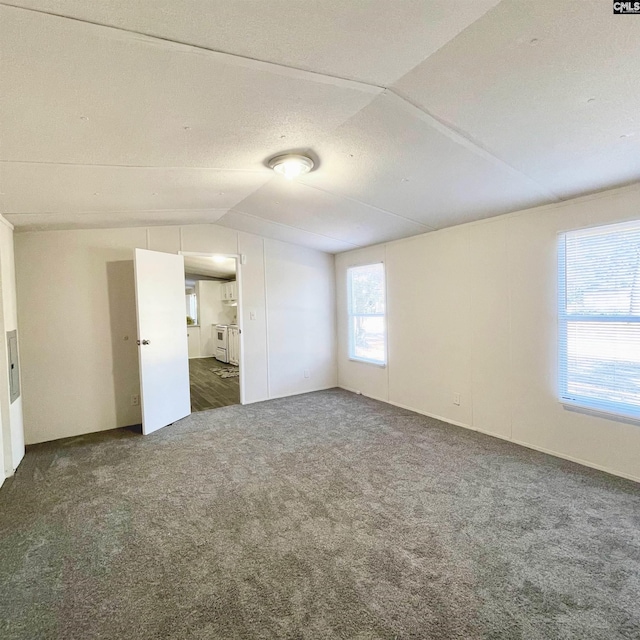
<point>421,114</point>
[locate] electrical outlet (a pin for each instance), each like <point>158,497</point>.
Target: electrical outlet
<point>456,399</point>
<point>306,373</point>
<point>135,400</point>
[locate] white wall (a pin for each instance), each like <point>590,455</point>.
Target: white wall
<point>301,319</point>
<point>12,435</point>
<point>472,310</point>
<point>76,310</point>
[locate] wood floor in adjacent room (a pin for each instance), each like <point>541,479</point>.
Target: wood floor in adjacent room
<point>208,390</point>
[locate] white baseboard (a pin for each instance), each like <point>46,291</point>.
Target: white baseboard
<point>299,393</point>
<point>584,463</point>
<point>359,393</point>
<point>433,415</point>
<point>556,454</point>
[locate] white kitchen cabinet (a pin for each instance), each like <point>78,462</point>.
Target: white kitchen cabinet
<point>229,291</point>
<point>234,344</point>
<point>193,341</point>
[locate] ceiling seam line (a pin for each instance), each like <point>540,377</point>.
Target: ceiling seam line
<point>449,41</point>
<point>113,213</point>
<point>132,166</point>
<point>370,206</point>
<point>290,226</point>
<point>363,83</point>
<point>384,89</point>
<point>471,141</point>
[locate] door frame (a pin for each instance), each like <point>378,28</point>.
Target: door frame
<point>238,258</point>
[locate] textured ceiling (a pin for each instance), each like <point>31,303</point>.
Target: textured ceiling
<point>209,267</point>
<point>422,113</point>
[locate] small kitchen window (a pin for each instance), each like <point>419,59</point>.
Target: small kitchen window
<point>367,313</point>
<point>192,307</point>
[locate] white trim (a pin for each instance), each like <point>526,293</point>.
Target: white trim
<point>266,313</point>
<point>375,363</point>
<point>359,393</point>
<point>299,393</point>
<point>366,263</point>
<point>584,463</point>
<point>555,454</point>
<point>578,406</point>
<point>433,415</point>
<point>206,254</point>
<point>387,315</point>
<point>6,223</point>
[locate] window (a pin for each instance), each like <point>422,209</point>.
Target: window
<point>192,306</point>
<point>367,330</point>
<point>599,318</point>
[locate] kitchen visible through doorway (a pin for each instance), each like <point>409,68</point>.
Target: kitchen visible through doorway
<point>211,304</point>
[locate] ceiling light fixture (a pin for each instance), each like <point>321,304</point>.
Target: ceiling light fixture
<point>291,165</point>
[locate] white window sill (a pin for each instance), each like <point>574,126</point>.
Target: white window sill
<point>599,413</point>
<point>380,365</point>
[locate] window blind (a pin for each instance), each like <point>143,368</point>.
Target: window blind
<point>367,327</point>
<point>599,318</point>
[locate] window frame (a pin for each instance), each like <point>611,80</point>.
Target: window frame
<point>194,303</point>
<point>351,316</point>
<point>607,409</point>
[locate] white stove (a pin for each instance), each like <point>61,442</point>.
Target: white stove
<point>221,342</point>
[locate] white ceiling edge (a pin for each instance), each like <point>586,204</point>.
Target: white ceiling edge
<point>599,194</point>
<point>37,222</point>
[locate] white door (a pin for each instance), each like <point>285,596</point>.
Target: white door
<point>162,339</point>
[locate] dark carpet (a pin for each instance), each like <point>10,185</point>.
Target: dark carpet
<point>327,515</point>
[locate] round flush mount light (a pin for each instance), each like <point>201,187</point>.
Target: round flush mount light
<point>291,165</point>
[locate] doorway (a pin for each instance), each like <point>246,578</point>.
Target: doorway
<point>212,301</point>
